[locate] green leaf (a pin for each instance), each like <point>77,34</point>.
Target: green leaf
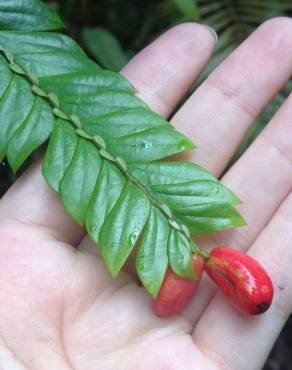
<point>123,226</point>
<point>6,76</point>
<point>179,196</point>
<point>209,217</point>
<point>92,105</point>
<point>105,47</point>
<point>59,154</point>
<point>27,15</point>
<point>149,145</point>
<point>117,116</point>
<point>124,122</point>
<point>30,135</point>
<point>180,254</point>
<point>189,191</point>
<point>15,105</point>
<point>45,54</point>
<point>162,173</point>
<point>152,257</point>
<point>84,82</point>
<point>79,180</point>
<point>108,188</point>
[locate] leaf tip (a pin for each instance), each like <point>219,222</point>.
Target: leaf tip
<point>242,221</point>
<point>14,166</point>
<point>235,198</point>
<point>113,270</point>
<point>239,220</point>
<point>187,144</point>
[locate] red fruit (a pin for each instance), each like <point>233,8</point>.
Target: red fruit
<point>242,279</point>
<point>176,292</point>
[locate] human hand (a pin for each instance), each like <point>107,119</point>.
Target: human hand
<point>60,308</point>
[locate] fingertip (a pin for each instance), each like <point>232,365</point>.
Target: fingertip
<point>190,33</point>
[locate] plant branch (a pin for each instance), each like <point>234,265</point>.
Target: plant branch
<point>99,142</point>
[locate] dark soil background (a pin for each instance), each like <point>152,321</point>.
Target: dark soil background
<point>112,31</point>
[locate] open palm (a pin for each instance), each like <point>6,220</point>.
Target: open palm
<point>59,307</point>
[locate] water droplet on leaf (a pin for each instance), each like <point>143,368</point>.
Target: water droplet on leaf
<point>146,144</point>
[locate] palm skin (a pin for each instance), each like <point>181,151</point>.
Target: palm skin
<point>60,308</point>
<point>67,312</point>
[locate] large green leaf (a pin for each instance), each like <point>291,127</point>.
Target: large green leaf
<point>103,141</point>
<point>45,54</point>
<point>83,83</point>
<point>27,15</point>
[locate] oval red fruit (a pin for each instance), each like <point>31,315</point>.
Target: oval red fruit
<point>241,278</point>
<point>176,292</point>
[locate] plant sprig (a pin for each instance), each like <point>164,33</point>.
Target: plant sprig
<point>103,152</point>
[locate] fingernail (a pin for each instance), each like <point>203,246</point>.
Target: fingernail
<point>212,31</point>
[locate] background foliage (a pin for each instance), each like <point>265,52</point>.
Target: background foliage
<point>112,31</point>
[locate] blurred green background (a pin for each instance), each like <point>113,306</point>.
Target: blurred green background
<point>112,31</point>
